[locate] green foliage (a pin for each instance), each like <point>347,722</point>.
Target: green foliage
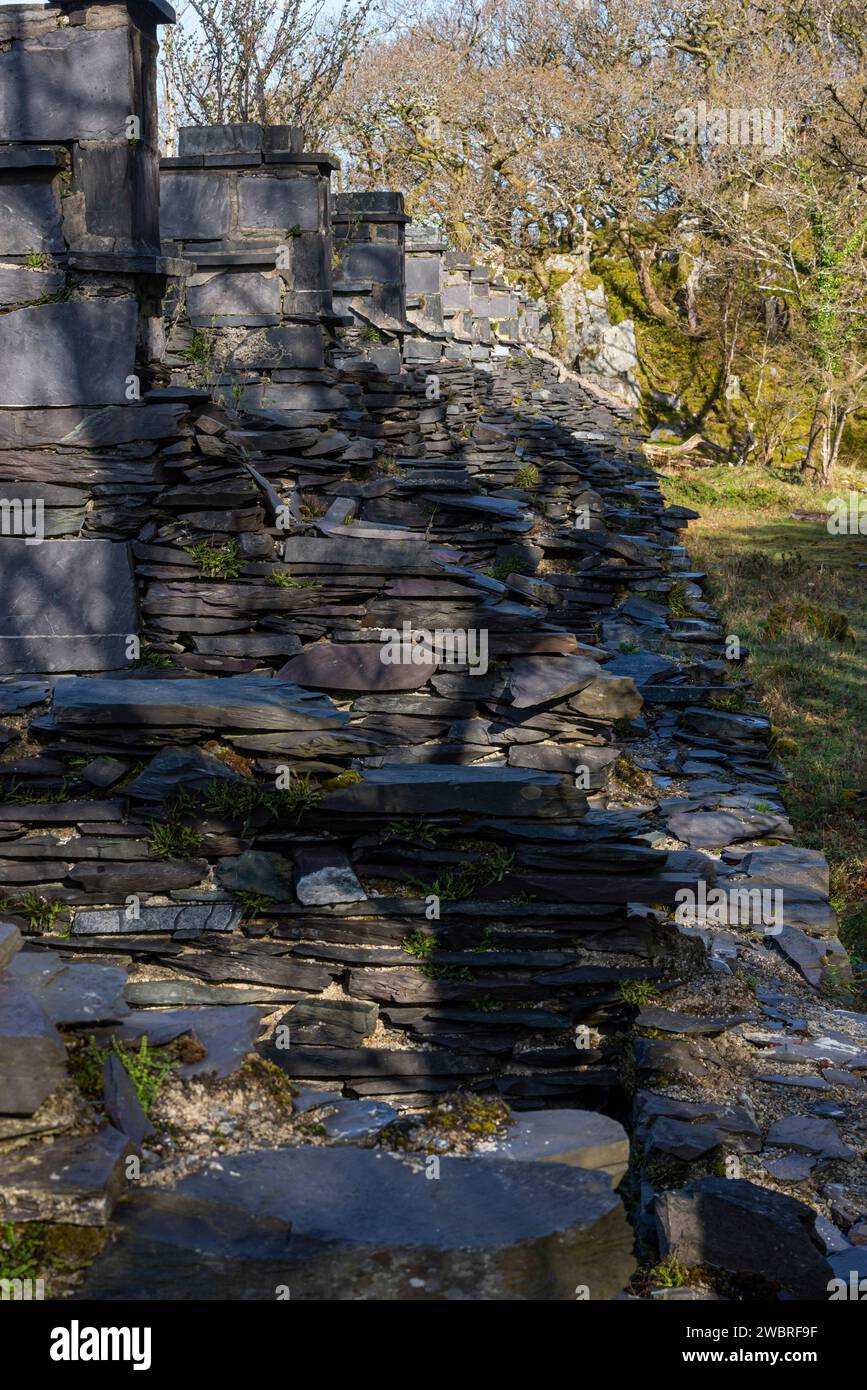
<point>238,800</point>
<point>677,601</point>
<point>526,477</point>
<point>217,561</point>
<point>782,617</point>
<point>468,878</point>
<point>282,579</point>
<point>420,944</point>
<point>253,905</point>
<point>39,912</point>
<point>147,1070</point>
<point>171,839</point>
<point>149,657</point>
<point>669,1274</point>
<point>734,703</point>
<point>426,831</point>
<point>514,564</point>
<point>199,351</point>
<point>21,1251</point>
<point>638,992</point>
<point>16,793</point>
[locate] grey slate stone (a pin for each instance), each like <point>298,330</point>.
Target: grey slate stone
<point>324,876</point>
<point>68,605</point>
<point>809,1134</point>
<point>645,668</point>
<point>715,829</point>
<point>74,1181</point>
<point>122,1104</point>
<point>257,871</point>
<point>32,1054</point>
<point>239,137</point>
<point>242,297</point>
<point>214,702</point>
<point>75,991</point>
<point>789,865</point>
<point>736,1226</point>
<point>194,207</point>
<point>166,918</point>
<point>10,942</point>
<point>74,352</point>
<point>173,768</point>
<point>74,83</point>
<point>579,1138</point>
<point>146,994</point>
<point>792,1168</point>
<point>19,286</point>
<point>354,666</point>
<point>29,218</point>
<point>279,202</point>
<point>353,1121</point>
<point>364,1222</point>
<point>227,1034</point>
<point>18,695</point>
<point>331,1022</point>
<point>496,791</point>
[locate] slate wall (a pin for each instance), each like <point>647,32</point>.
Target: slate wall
<point>252,211</point>
<point>423,266</point>
<point>81,275</point>
<point>370,271</point>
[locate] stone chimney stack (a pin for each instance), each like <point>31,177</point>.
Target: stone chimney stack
<point>82,276</point>
<point>370,275</point>
<point>252,210</point>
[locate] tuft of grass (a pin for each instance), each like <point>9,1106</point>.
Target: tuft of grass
<point>528,476</point>
<point>678,606</point>
<point>419,944</point>
<point>16,793</point>
<point>282,579</point>
<point>638,992</point>
<point>21,1251</point>
<point>150,658</point>
<point>511,564</point>
<point>468,878</point>
<point>40,912</point>
<point>733,704</point>
<point>199,351</point>
<point>147,1070</point>
<point>217,561</point>
<point>238,800</point>
<point>425,831</point>
<point>253,905</point>
<point>669,1274</point>
<point>170,839</point>
<point>784,617</point>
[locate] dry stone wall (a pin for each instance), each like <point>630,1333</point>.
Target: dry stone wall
<point>365,729</point>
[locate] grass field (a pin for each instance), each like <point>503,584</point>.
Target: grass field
<point>795,595</point>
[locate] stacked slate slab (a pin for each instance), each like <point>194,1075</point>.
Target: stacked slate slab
<point>252,210</point>
<point>83,275</point>
<point>424,295</point>
<point>370,273</point>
